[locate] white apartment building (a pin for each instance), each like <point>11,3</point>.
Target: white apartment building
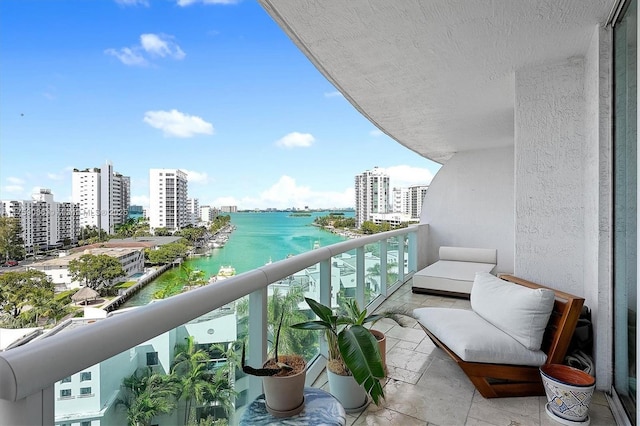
<point>400,200</point>
<point>208,213</point>
<point>45,223</point>
<point>104,196</point>
<point>372,194</point>
<point>416,197</point>
<point>168,206</point>
<point>229,209</point>
<point>193,211</point>
<point>131,259</point>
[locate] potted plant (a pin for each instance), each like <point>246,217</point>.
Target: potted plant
<point>283,378</point>
<point>355,357</point>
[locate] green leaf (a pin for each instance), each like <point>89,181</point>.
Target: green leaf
<point>361,354</point>
<point>323,312</point>
<point>312,325</point>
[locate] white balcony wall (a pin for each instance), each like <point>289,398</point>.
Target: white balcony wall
<point>562,182</point>
<point>549,147</point>
<point>470,203</point>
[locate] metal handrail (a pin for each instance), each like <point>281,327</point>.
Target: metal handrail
<point>28,369</point>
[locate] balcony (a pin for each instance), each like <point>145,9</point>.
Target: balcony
<point>423,384</point>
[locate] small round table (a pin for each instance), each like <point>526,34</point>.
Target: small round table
<point>320,408</point>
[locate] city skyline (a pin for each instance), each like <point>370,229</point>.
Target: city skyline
<point>216,90</point>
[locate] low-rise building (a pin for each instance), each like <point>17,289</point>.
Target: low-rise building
<point>131,259</point>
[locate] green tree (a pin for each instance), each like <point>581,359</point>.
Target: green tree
<point>193,234</point>
<point>21,289</point>
<point>146,394</point>
<point>166,253</point>
<point>162,232</point>
<point>95,270</point>
<point>190,368</point>
<point>11,244</point>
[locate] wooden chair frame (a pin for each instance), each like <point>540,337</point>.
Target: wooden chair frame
<point>504,380</point>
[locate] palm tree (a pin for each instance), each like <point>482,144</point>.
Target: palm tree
<point>222,378</point>
<point>190,370</point>
<point>147,394</point>
<point>291,341</point>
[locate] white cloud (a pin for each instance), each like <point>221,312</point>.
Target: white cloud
<point>403,175</point>
<point>13,189</point>
<point>128,56</point>
<point>296,139</point>
<point>177,124</point>
<point>133,2</point>
<point>161,45</point>
<point>140,200</point>
<point>375,133</point>
<point>196,177</point>
<point>287,193</point>
<point>334,94</point>
<point>184,3</point>
<point>55,176</point>
<point>151,45</point>
<point>15,180</point>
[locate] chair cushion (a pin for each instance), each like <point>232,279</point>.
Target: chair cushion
<point>474,339</point>
<point>521,312</point>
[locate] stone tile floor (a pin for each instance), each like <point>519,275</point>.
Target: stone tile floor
<point>425,387</point>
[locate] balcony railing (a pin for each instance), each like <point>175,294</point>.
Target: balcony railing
<point>375,265</point>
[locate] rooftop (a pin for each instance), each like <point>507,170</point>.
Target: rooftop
<point>64,260</point>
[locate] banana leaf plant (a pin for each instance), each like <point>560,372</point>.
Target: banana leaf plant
<point>351,343</point>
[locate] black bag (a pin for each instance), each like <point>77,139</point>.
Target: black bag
<point>580,351</point>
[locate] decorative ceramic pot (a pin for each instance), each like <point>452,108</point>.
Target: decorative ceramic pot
<point>351,395</point>
<point>284,395</point>
<point>569,393</point>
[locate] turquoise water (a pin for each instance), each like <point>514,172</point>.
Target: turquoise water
<point>258,239</point>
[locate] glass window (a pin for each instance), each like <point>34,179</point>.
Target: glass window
<point>152,358</point>
<point>85,375</point>
<point>85,391</point>
<point>65,393</point>
<point>85,423</point>
<point>66,380</point>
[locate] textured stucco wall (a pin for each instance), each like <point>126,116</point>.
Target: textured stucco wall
<point>470,204</point>
<point>597,196</point>
<point>549,176</point>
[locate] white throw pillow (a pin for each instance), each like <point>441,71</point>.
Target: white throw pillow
<point>521,312</point>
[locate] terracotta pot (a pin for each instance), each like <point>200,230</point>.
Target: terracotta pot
<point>284,395</point>
<point>569,392</point>
<point>382,343</point>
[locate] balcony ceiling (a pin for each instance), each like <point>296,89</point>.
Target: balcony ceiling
<point>437,76</point>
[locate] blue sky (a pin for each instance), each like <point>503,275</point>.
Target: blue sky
<point>212,87</point>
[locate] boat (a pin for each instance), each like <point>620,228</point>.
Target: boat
<point>225,271</point>
<point>316,244</point>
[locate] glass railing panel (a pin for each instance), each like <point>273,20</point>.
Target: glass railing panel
<point>288,296</point>
<point>182,376</point>
<point>343,278</point>
<point>392,260</point>
<point>372,272</point>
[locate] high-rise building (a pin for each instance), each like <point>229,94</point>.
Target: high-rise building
<point>400,200</point>
<point>104,197</point>
<point>193,211</point>
<point>208,213</point>
<point>168,199</point>
<point>416,196</point>
<point>229,209</point>
<point>45,223</point>
<point>372,194</point>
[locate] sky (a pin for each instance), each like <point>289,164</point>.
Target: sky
<point>212,87</point>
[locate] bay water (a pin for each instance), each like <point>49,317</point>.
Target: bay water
<point>259,237</point>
